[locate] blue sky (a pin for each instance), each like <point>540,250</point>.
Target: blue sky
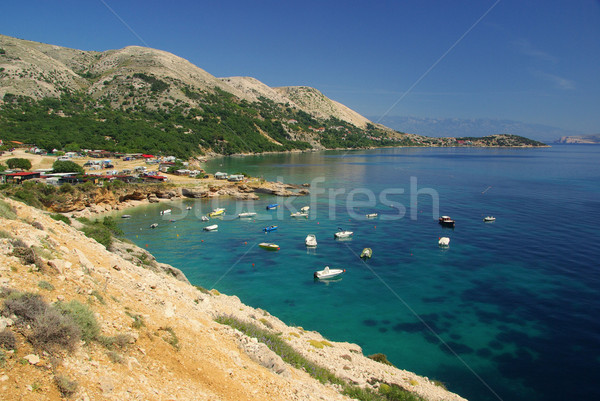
<point>530,61</point>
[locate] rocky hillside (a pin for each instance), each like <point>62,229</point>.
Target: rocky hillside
<point>139,99</point>
<point>80,321</point>
<point>38,70</point>
<point>581,139</point>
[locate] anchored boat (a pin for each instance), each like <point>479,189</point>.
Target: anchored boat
<point>311,240</point>
<point>444,242</point>
<point>328,273</point>
<point>269,246</point>
<point>366,253</point>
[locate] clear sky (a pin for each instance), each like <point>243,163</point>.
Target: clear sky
<point>533,61</point>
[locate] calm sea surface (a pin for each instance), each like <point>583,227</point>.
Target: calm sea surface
<point>511,310</point>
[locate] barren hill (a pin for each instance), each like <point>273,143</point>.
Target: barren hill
<point>314,102</point>
<point>39,70</point>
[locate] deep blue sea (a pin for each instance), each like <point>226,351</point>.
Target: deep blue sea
<point>510,311</point>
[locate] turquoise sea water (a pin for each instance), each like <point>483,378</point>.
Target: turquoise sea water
<point>509,311</point>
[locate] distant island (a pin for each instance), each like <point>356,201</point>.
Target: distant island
<point>580,139</point>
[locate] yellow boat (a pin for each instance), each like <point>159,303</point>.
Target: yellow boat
<point>216,212</point>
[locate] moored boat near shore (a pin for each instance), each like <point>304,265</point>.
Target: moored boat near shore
<point>269,229</point>
<point>211,228</point>
<point>217,212</point>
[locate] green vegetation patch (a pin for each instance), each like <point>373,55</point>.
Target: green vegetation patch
<point>390,392</point>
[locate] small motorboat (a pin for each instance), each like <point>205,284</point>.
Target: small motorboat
<point>305,209</point>
<point>489,219</point>
<point>366,253</point>
<point>444,241</point>
<point>211,228</point>
<point>269,246</point>
<point>446,221</point>
<point>272,206</point>
<point>246,214</point>
<point>328,273</point>
<point>371,215</point>
<point>188,208</point>
<point>126,216</point>
<point>153,225</point>
<point>343,233</point>
<point>311,240</point>
<point>299,214</point>
<point>269,229</point>
<point>166,211</point>
<point>204,218</point>
<point>216,212</point>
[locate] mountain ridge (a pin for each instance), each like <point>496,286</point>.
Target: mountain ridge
<point>138,99</point>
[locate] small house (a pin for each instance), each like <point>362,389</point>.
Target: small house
<point>235,177</point>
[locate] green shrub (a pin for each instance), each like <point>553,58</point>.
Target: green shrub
<point>110,342</point>
<point>7,339</point>
<point>380,358</point>
<point>38,225</point>
<point>45,285</point>
<point>61,217</point>
<point>66,386</point>
<point>2,359</point>
<point>26,306</point>
<point>82,316</point>
<point>7,211</point>
<point>171,337</point>
<point>115,357</point>
<point>53,330</point>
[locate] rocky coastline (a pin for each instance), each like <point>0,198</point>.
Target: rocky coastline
<point>211,361</point>
<point>102,200</point>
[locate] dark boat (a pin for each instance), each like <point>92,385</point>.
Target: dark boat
<point>272,206</point>
<point>446,221</point>
<point>268,229</point>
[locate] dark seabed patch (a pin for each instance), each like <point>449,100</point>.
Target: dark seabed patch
<point>458,348</point>
<point>370,322</point>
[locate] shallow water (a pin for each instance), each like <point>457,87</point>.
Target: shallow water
<point>509,311</point>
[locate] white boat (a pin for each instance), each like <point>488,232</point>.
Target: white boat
<point>247,214</point>
<point>311,240</point>
<point>371,215</point>
<point>343,233</point>
<point>305,209</point>
<point>299,214</point>
<point>153,225</point>
<point>204,218</point>
<point>211,228</point>
<point>328,273</point>
<point>188,208</point>
<point>126,216</point>
<point>444,241</point>
<point>166,211</point>
<point>489,219</point>
<point>269,246</point>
